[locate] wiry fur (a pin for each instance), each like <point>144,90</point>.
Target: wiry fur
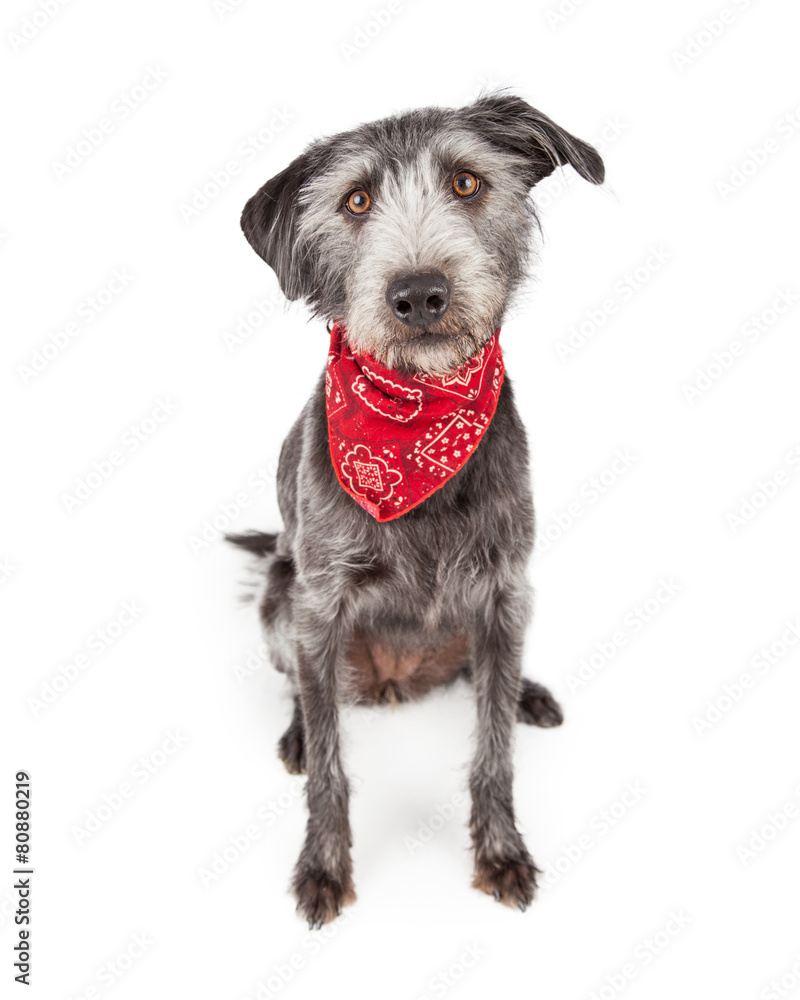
<point>354,609</point>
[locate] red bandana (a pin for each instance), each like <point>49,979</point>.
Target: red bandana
<point>397,438</point>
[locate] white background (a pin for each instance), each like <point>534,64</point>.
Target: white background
<point>702,165</point>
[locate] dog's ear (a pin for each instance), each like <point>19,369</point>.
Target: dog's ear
<point>514,125</point>
<point>269,221</point>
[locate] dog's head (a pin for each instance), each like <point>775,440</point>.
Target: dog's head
<point>414,230</point>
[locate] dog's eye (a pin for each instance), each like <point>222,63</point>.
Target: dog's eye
<point>465,184</point>
<point>358,202</point>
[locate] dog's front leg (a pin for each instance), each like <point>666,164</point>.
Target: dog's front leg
<point>323,880</point>
<point>503,866</point>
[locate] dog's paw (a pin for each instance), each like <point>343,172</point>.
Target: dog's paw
<point>292,750</point>
<point>537,707</point>
<point>510,880</point>
<point>320,896</point>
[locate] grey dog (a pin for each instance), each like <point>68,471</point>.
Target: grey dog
<point>413,232</point>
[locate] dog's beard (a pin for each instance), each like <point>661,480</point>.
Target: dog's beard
<point>437,351</point>
<point>436,354</point>
<point>440,349</point>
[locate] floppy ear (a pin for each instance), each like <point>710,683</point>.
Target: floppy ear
<point>514,125</point>
<point>269,221</point>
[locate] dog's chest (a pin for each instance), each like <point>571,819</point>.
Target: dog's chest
<point>414,589</point>
<point>425,571</point>
<point>413,608</point>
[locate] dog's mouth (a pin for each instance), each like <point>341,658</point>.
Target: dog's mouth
<point>428,336</point>
<point>433,332</point>
<point>437,348</point>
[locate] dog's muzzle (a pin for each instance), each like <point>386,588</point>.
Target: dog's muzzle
<point>418,300</point>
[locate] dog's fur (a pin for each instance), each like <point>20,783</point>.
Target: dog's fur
<point>364,611</point>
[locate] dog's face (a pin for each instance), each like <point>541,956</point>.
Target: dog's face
<point>414,230</point>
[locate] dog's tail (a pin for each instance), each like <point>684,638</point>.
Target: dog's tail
<point>258,543</point>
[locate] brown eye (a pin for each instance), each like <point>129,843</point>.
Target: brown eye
<point>358,202</point>
<point>465,184</point>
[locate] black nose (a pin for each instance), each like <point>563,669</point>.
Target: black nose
<point>419,299</point>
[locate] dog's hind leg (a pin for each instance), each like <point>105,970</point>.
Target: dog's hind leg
<point>503,867</point>
<point>291,746</point>
<point>537,707</point>
<point>276,614</point>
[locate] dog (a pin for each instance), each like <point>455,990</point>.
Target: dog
<point>409,235</point>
